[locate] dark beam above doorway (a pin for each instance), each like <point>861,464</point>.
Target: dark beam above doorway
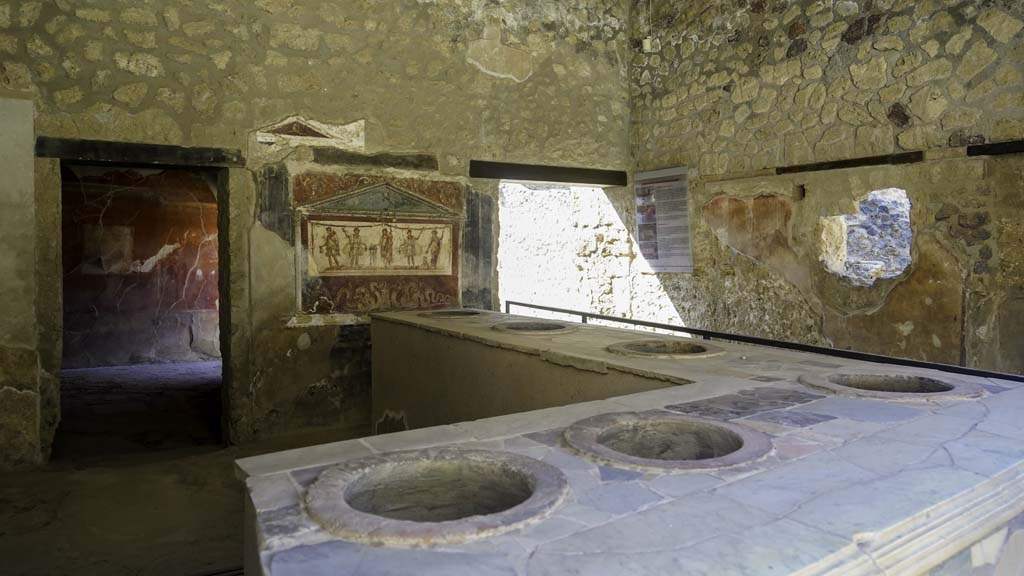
<point>131,153</point>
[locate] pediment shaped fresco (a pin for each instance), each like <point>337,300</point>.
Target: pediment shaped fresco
<point>297,128</point>
<point>381,199</point>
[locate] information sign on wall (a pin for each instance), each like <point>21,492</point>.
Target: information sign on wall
<point>663,219</point>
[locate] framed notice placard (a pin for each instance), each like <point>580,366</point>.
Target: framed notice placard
<point>663,219</point>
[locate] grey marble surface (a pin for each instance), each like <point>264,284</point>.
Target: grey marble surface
<point>842,469</point>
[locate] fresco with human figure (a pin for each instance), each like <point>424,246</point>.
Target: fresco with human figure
<point>355,248</point>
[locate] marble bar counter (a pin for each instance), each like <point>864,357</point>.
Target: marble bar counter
<point>766,462</point>
<point>443,367</point>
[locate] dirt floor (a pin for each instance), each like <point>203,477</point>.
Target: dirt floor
<point>139,483</point>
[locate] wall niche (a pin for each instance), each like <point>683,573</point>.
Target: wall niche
<point>872,244</point>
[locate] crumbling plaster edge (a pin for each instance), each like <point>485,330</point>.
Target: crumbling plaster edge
<point>812,291</point>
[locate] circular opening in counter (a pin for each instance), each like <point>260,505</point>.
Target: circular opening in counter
<point>451,314</point>
<point>891,383</point>
<point>665,442</point>
<point>894,386</point>
<point>534,327</point>
<point>429,491</point>
<point>433,496</point>
<point>665,348</point>
<point>670,440</point>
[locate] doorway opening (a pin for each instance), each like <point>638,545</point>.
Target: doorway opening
<point>141,343</point>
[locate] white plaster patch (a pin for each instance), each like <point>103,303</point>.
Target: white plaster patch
<point>905,328</point>
<point>351,136</point>
<point>319,384</point>
<point>151,262</point>
<point>306,320</point>
<point>304,341</point>
<point>492,57</point>
<point>987,551</point>
<point>833,243</point>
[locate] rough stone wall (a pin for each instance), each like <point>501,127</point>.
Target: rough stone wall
<point>457,80</point>
<point>734,87</point>
<point>764,83</point>
<point>140,266</point>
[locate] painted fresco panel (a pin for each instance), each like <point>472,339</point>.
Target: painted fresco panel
<point>375,244</point>
<point>358,248</point>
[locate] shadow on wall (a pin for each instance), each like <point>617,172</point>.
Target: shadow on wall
<point>568,247</point>
<point>140,266</point>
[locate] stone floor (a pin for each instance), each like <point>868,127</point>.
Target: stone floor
<point>141,409</point>
<point>139,483</point>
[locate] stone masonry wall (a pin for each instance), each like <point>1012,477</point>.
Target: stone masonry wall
<point>734,87</point>
<point>456,80</point>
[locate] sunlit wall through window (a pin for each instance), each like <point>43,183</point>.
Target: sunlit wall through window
<point>569,247</point>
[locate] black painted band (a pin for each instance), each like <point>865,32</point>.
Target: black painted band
<point>537,173</point>
<point>131,153</point>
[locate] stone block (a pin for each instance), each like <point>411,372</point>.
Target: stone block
<point>19,428</point>
<point>977,58</point>
<point>1000,25</point>
<point>19,369</point>
<point>871,75</point>
<point>934,70</point>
